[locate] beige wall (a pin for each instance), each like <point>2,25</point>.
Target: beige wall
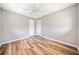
<point>0,24</point>
<point>60,25</point>
<point>78,24</point>
<point>14,26</point>
<point>38,27</point>
<point>31,27</point>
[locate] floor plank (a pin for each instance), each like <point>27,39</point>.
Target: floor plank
<point>37,45</point>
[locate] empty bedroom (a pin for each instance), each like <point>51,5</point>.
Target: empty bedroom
<point>39,29</point>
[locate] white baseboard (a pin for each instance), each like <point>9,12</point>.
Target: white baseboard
<point>78,48</point>
<point>61,42</point>
<point>13,40</point>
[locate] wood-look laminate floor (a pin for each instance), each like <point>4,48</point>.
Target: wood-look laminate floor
<point>37,45</point>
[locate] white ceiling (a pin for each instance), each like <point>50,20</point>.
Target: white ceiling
<point>34,10</point>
